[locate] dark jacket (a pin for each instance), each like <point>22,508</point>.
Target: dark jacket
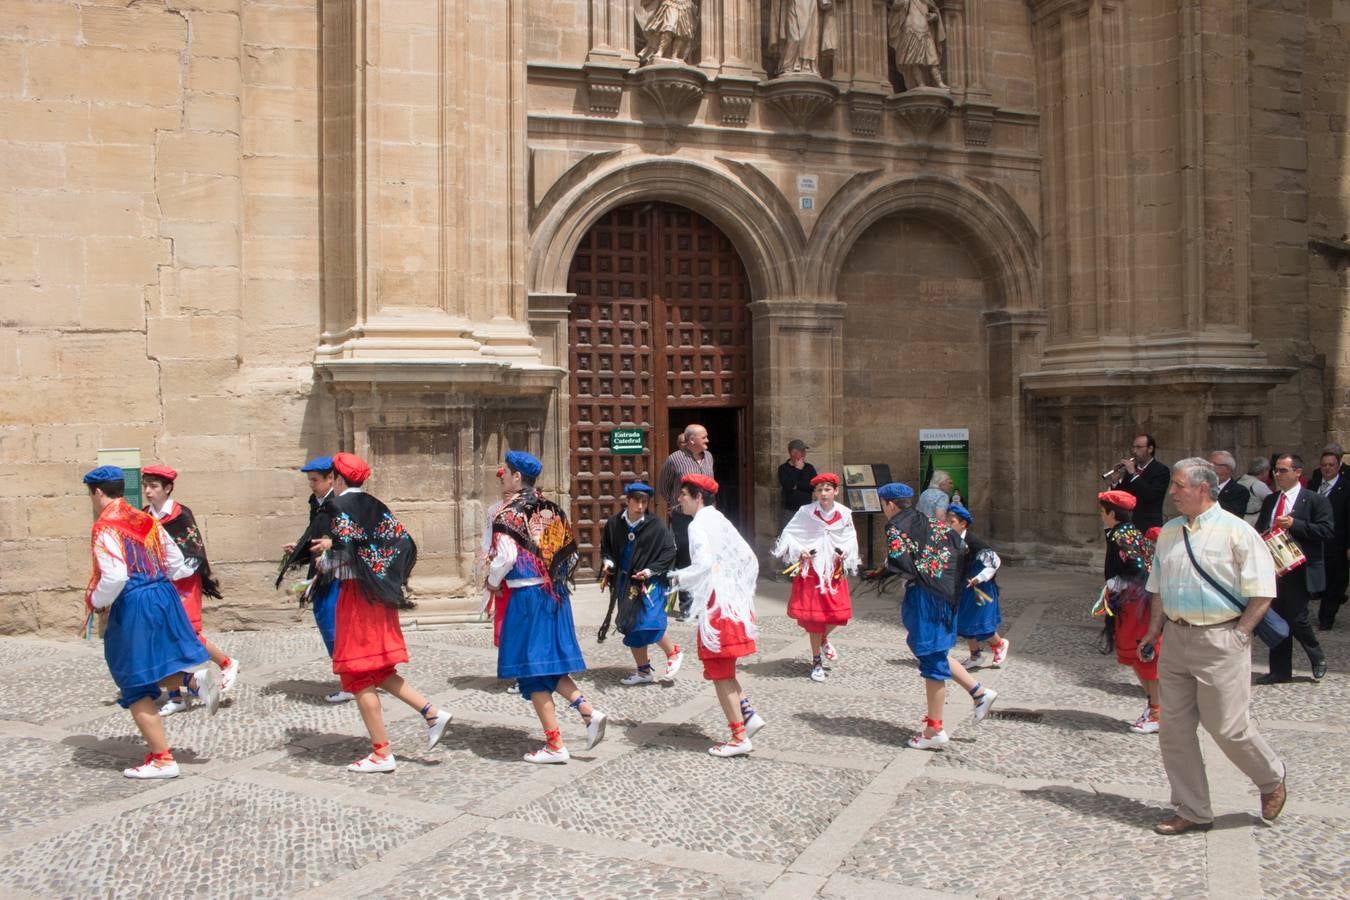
<point>1234,497</point>
<point>1339,498</point>
<point>796,484</point>
<point>1149,487</point>
<point>1313,526</point>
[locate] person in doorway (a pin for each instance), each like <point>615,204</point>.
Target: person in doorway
<point>148,641</point>
<point>822,545</point>
<point>720,581</point>
<point>157,483</point>
<point>692,457</point>
<point>638,550</point>
<point>534,554</point>
<point>978,614</point>
<point>370,552</point>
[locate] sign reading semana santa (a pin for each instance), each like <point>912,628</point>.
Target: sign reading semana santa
<point>947,450</point>
<point>626,441</point>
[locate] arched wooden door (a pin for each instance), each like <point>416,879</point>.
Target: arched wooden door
<point>660,337</point>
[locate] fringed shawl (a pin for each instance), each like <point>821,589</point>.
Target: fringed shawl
<point>830,538</point>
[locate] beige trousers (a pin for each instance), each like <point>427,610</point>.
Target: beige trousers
<point>1204,676</point>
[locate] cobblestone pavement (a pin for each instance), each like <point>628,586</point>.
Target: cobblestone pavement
<point>1051,796</point>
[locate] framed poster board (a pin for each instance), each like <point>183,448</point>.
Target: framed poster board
<point>864,499</point>
<point>858,477</point>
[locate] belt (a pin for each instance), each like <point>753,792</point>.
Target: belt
<point>1226,623</point>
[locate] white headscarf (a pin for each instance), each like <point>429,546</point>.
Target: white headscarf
<point>808,530</point>
<point>720,563</point>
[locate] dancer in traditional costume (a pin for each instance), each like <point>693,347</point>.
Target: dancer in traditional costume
<point>534,554</point>
<point>978,615</point>
<point>1125,603</point>
<point>720,583</point>
<point>819,542</point>
<point>157,483</point>
<point>928,555</point>
<point>371,554</point>
<point>148,642</point>
<point>638,550</point>
<point>319,589</point>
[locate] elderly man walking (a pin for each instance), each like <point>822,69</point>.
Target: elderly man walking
<point>1208,564</point>
<point>691,458</point>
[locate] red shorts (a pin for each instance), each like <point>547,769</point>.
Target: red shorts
<point>190,592</point>
<point>719,668</point>
<point>355,682</point>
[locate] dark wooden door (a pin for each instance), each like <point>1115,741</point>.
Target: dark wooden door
<point>659,327</point>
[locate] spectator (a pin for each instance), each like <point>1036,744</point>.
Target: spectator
<point>1255,481</point>
<point>1233,497</point>
<point>1328,482</point>
<point>794,478</point>
<point>690,458</point>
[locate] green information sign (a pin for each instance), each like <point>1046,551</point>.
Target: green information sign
<point>626,441</point>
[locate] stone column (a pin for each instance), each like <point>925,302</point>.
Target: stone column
<point>612,27</point>
<point>791,338</point>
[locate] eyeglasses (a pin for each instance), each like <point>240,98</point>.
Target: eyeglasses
<point>1284,471</point>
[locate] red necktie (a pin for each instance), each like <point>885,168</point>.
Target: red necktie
<point>1279,507</point>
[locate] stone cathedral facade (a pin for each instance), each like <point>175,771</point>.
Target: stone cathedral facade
<point>235,234</point>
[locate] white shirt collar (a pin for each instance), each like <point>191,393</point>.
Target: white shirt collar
<point>630,522</point>
<point>1292,494</point>
<point>166,511</point>
<point>1223,484</point>
<point>351,490</point>
<point>1331,483</point>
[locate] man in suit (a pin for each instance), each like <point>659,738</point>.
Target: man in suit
<point>1331,482</point>
<point>1147,479</point>
<point>1307,517</point>
<point>1233,497</point>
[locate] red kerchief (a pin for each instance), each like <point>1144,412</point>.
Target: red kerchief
<point>1152,533</point>
<point>351,467</point>
<point>825,478</point>
<point>160,472</point>
<point>702,482</point>
<point>1122,499</point>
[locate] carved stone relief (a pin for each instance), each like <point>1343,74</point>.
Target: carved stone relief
<point>917,36</point>
<point>802,35</point>
<point>668,30</point>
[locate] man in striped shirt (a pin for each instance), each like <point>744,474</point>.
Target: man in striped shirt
<point>692,458</point>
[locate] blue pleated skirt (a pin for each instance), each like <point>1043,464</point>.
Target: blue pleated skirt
<point>651,619</point>
<point>149,636</point>
<point>325,613</point>
<point>538,636</point>
<point>976,621</point>
<point>929,620</point>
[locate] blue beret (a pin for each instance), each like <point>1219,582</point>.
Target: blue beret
<point>104,473</point>
<point>524,463</point>
<point>961,512</point>
<point>637,487</point>
<point>318,464</point>
<point>895,491</point>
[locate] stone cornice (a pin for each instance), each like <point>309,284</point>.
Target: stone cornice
<point>435,374</point>
<point>1098,380</point>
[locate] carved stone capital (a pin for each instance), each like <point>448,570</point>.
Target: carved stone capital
<point>864,111</point>
<point>922,110</point>
<point>735,97</point>
<point>604,86</point>
<point>799,97</point>
<point>671,86</point>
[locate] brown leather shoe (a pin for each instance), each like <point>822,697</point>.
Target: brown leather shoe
<point>1272,803</point>
<point>1178,825</point>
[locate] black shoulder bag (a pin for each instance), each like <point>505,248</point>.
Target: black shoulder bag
<point>1272,629</point>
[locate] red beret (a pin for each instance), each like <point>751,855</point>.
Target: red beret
<point>702,482</point>
<point>825,478</point>
<point>351,467</point>
<point>1152,533</point>
<point>1123,499</point>
<point>160,472</point>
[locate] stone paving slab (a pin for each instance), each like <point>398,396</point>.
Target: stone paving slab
<point>263,842</point>
<point>747,808</point>
<point>1305,857</point>
<point>64,686</point>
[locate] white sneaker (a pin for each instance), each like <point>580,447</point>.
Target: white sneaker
<point>673,664</point>
<point>544,755</point>
<point>828,650</point>
<point>513,687</point>
<point>1139,722</point>
<point>982,705</point>
<point>753,725</point>
<point>339,697</point>
<point>976,660</point>
<point>595,731</point>
<point>638,677</point>
<point>228,675</point>
<point>1001,654</point>
<point>1145,725</point>
<point>817,673</point>
<point>172,706</point>
<point>374,763</point>
<point>936,742</point>
<point>150,770</point>
<point>738,749</point>
<point>434,732</point>
<point>208,689</point>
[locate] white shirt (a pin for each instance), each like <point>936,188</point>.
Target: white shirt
<point>161,514</point>
<point>1223,484</point>
<point>1326,486</point>
<point>1289,497</point>
<point>112,568</point>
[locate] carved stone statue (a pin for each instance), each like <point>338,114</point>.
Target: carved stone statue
<point>915,31</point>
<point>668,28</point>
<point>800,31</point>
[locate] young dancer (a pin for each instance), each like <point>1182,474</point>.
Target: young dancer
<point>928,554</point>
<point>148,641</point>
<point>819,540</point>
<point>534,554</point>
<point>157,483</point>
<point>371,554</point>
<point>322,591</point>
<point>638,550</point>
<point>1129,554</point>
<point>978,617</point>
<point>720,584</point>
